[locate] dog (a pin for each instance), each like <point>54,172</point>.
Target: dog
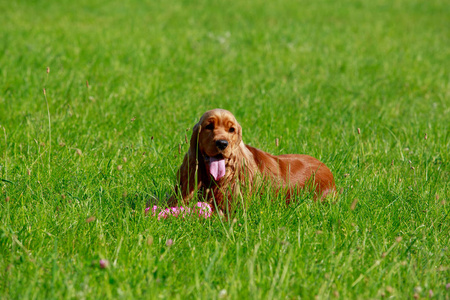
<point>218,165</point>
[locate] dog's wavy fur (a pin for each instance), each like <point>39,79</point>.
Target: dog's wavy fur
<point>289,173</point>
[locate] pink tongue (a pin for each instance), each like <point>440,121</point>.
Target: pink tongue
<point>216,167</point>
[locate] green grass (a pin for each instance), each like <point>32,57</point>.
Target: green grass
<point>307,72</point>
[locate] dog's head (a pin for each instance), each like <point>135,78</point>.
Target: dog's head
<point>216,137</point>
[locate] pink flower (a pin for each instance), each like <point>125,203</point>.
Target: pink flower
<point>163,214</point>
<point>154,209</point>
<point>103,263</point>
<point>202,209</point>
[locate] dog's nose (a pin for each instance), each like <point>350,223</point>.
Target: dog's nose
<point>221,144</point>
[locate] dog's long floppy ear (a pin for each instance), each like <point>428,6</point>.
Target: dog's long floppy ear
<point>188,177</point>
<point>193,149</point>
<point>239,134</point>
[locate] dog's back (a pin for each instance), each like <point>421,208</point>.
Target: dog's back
<point>295,171</point>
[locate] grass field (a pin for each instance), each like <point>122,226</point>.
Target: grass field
<point>128,78</point>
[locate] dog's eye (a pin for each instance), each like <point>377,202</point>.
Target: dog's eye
<point>210,126</point>
<point>231,129</point>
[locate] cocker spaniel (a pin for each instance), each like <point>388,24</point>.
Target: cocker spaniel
<point>218,165</point>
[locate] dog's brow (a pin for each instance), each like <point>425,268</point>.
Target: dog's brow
<point>211,119</point>
<point>229,123</point>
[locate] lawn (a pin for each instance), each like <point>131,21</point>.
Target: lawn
<point>96,101</point>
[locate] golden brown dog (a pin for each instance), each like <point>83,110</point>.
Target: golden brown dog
<point>218,164</point>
